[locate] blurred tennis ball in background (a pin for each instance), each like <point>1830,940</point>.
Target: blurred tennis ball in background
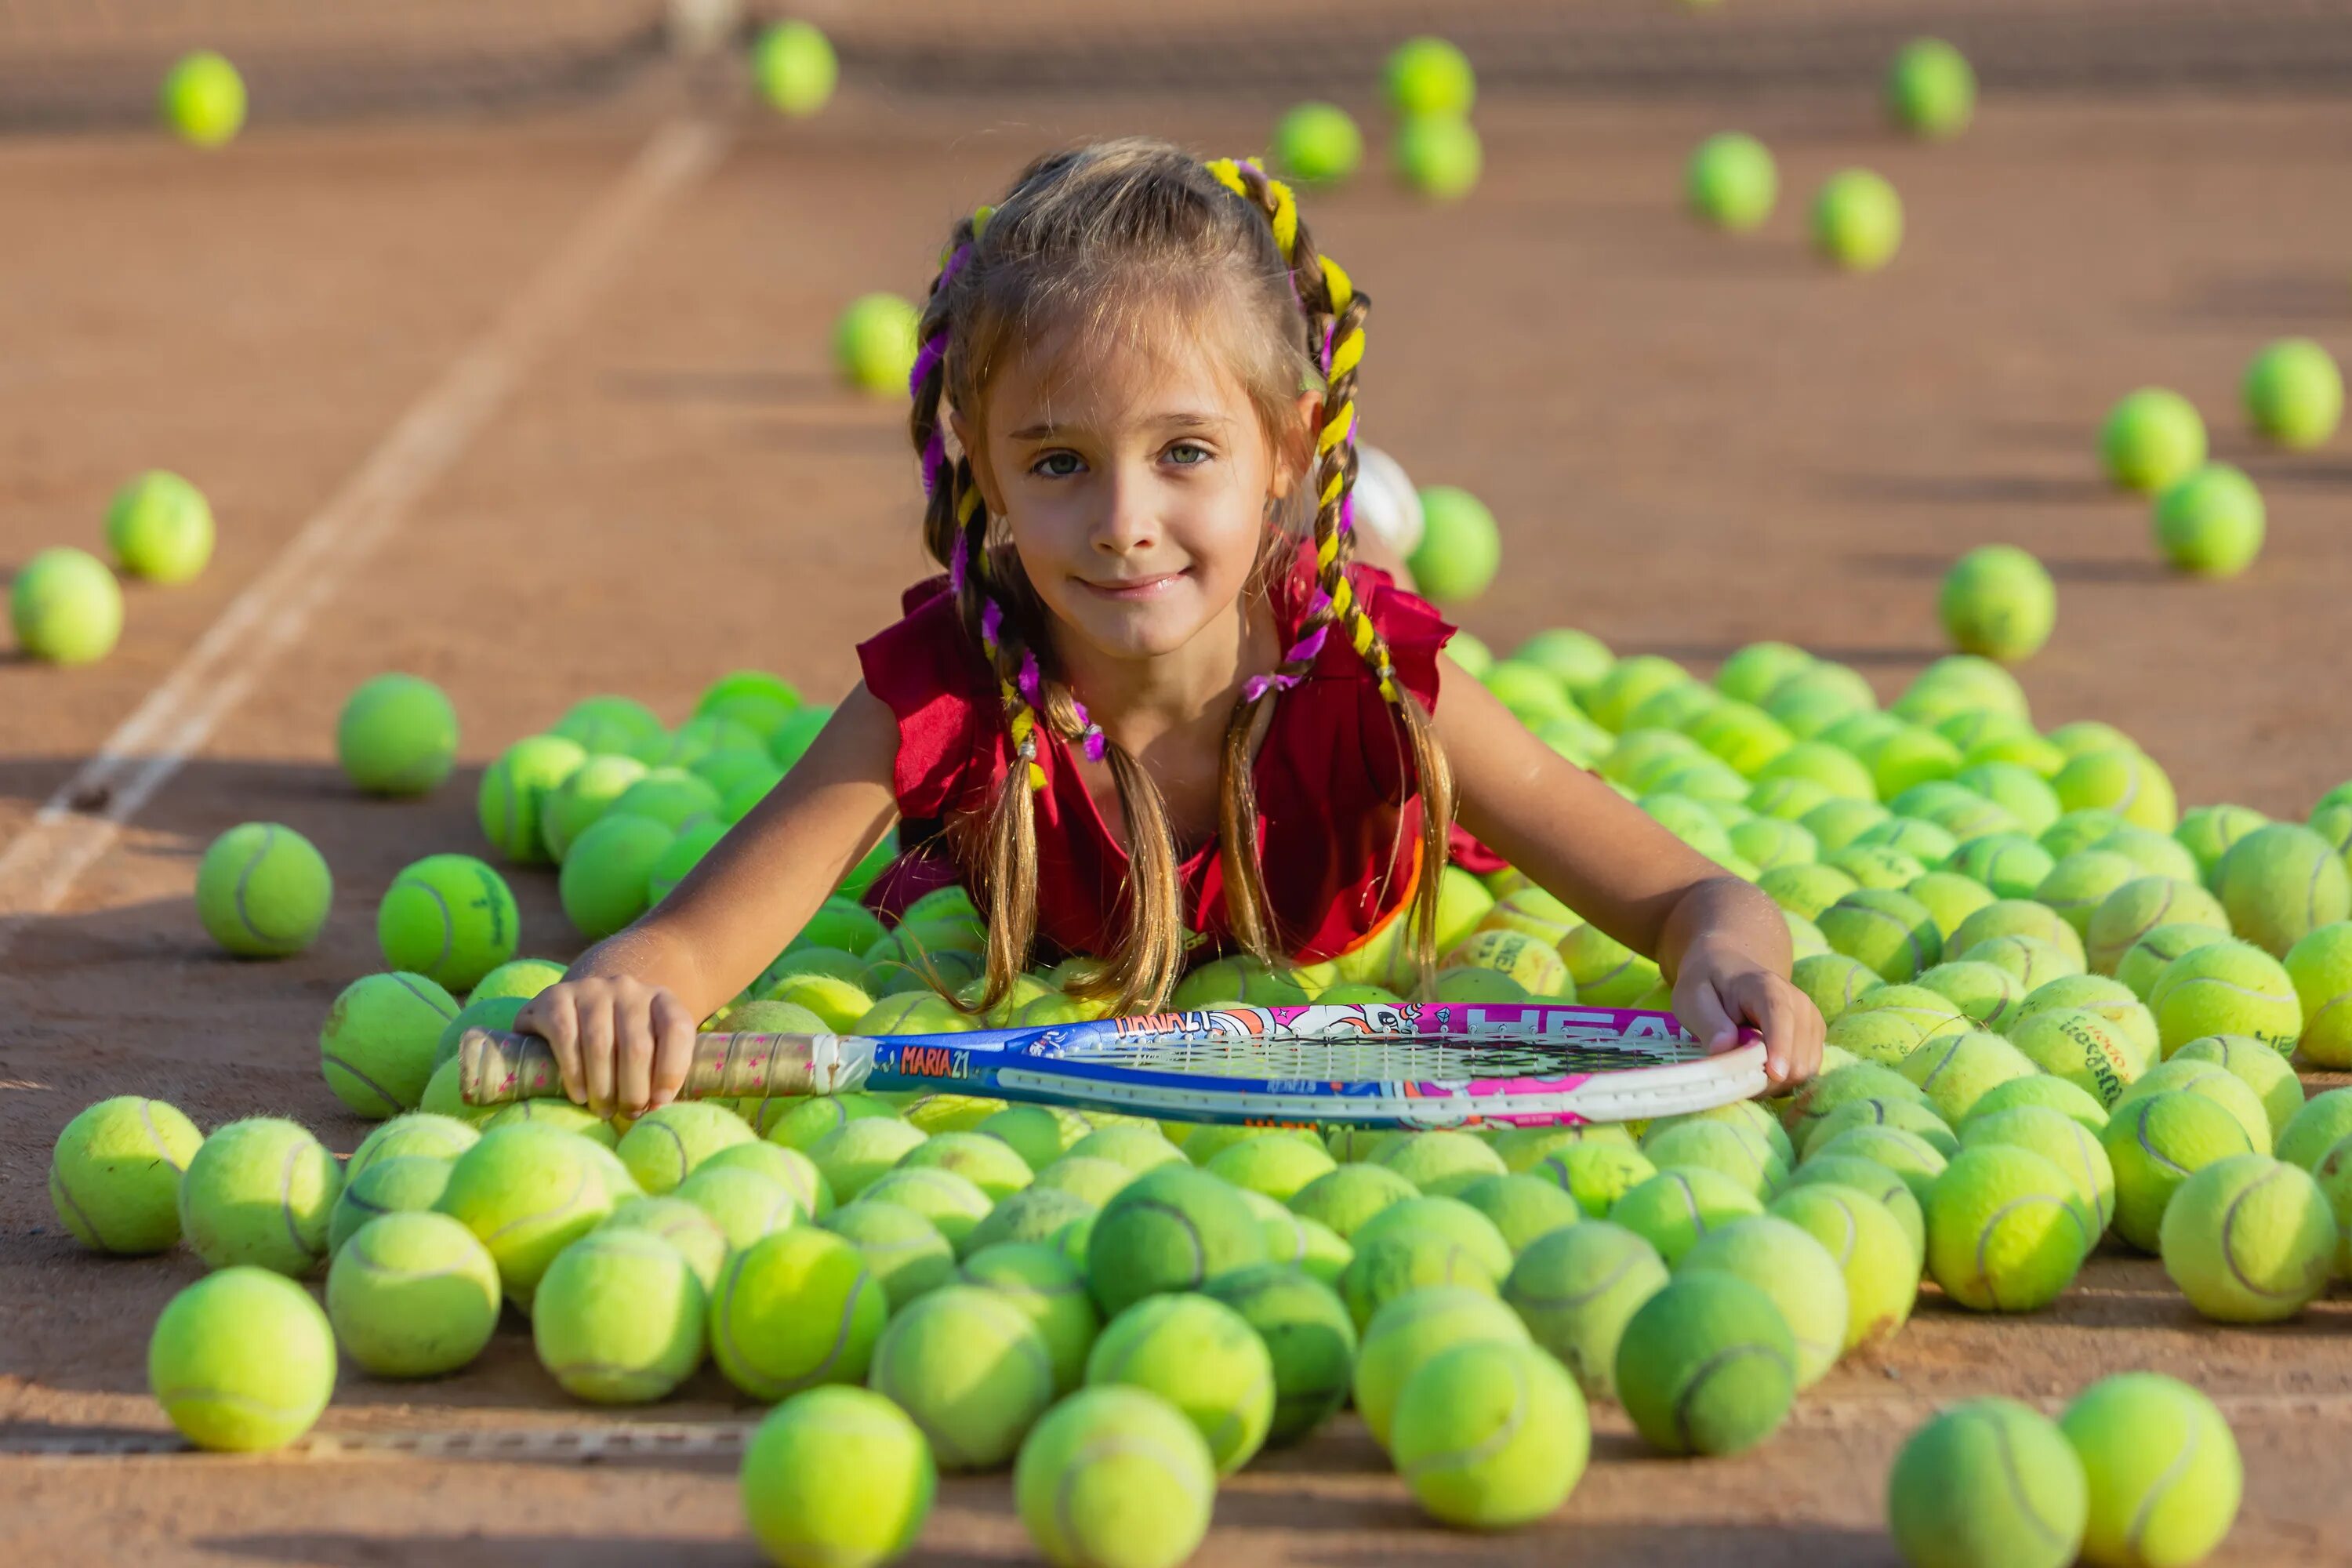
<point>1731,182</point>
<point>2152,440</point>
<point>1428,75</point>
<point>1930,90</point>
<point>1858,221</point>
<point>2294,393</point>
<point>874,343</point>
<point>1460,546</point>
<point>794,66</point>
<point>263,891</point>
<point>160,528</point>
<point>1999,600</point>
<point>2211,523</point>
<point>65,607</point>
<point>1438,155</point>
<point>203,99</point>
<point>397,734</point>
<point>1318,145</point>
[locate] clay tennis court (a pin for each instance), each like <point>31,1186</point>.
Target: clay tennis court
<point>539,315</point>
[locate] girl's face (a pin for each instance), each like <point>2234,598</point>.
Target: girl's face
<point>1135,486</point>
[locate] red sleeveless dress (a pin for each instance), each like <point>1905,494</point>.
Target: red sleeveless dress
<point>1338,821</point>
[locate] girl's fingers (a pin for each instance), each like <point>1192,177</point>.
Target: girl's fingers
<point>673,1046</point>
<point>1778,1010</point>
<point>1702,1012</point>
<point>596,1045</point>
<point>555,1019</point>
<point>632,1042</point>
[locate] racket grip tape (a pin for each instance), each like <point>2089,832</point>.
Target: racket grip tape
<point>495,1068</point>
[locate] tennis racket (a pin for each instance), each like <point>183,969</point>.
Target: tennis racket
<point>1446,1064</point>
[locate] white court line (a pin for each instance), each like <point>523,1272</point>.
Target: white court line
<point>83,819</point>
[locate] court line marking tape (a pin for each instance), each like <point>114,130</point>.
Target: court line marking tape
<point>78,824</point>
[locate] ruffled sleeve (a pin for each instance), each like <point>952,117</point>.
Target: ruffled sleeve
<point>931,676</point>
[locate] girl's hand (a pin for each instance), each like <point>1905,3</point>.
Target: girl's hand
<point>622,1044</point>
<point>1718,992</point>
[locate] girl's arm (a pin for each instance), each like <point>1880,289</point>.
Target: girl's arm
<point>1722,943</point>
<point>622,1020</point>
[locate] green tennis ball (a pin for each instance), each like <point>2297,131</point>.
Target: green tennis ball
<point>1437,156</point>
<point>1957,1070</point>
<point>1916,1117</point>
<point>1824,1094</point>
<point>1795,1271</point>
<point>2145,962</point>
<point>2215,1083</point>
<point>2164,1473</point>
<point>2294,393</point>
<point>2141,906</point>
<point>837,1478</point>
<point>1931,90</point>
<point>950,1205</point>
<point>2109,999</point>
<point>793,65</point>
<point>2156,853</point>
<point>2021,918</point>
<point>1115,1478</point>
<point>1857,221</point>
<point>528,1192</point>
<point>2005,1229</point>
<point>1872,1253</point>
<point>2226,988</point>
<point>201,99</point>
<point>1999,600</point>
<point>1595,1174</point>
<point>1436,1163</point>
<point>1732,183</point>
<point>2249,1239</point>
<point>813,1118</point>
<point>412,1293</point>
<point>1674,1210</point>
<point>2066,1143</point>
<point>400,1183</point>
<point>1403,1257</point>
<point>2280,883</point>
<point>160,528</point>
<point>1203,1357</point>
<point>2320,966</point>
<point>2081,882</point>
<point>602,886</point>
<point>1523,1208</point>
<point>1706,1366</point>
<point>1464,1226</point>
<point>241,1360</point>
<point>1986,994</point>
<point>873,342</point>
<point>1308,1337</point>
<point>2009,864</point>
<point>854,1157</point>
<point>259,1192</point>
<point>1576,1289</point>
<point>989,1164</point>
<point>1917,1161</point>
<point>1097,1181</point>
<point>2156,1143</point>
<point>695,1235</point>
<point>1742,1154</point>
<point>663,1146</point>
<point>1490,1435</point>
<point>842,1005</point>
<point>2324,1119</point>
<point>1173,1228</point>
<point>2151,440</point>
<point>1409,1330</point>
<point>1346,1198</point>
<point>1428,75</point>
<point>971,1369</point>
<point>1876,1182</point>
<point>789,1168</point>
<point>449,918</point>
<point>1892,933</point>
<point>1460,547</point>
<point>1278,1167</point>
<point>795,1309</point>
<point>610,723</point>
<point>1297,1242</point>
<point>377,1047</point>
<point>567,810</point>
<point>1832,981</point>
<point>2259,1066</point>
<point>115,1173</point>
<point>2210,522</point>
<point>2081,1047</point>
<point>65,607</point>
<point>1050,1292</point>
<point>511,802</point>
<point>745,1204</point>
<point>396,735</point>
<point>1987,1484</point>
<point>1318,145</point>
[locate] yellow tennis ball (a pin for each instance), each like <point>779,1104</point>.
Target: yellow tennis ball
<point>1114,1477</point>
<point>2122,780</point>
<point>2164,1471</point>
<point>971,1370</point>
<point>514,790</point>
<point>1440,156</point>
<point>203,99</point>
<point>527,1192</point>
<point>1173,1228</point>
<point>2280,883</point>
<point>795,1309</point>
<point>263,891</point>
<point>1795,1271</point>
<point>2249,1239</point>
<point>2320,965</point>
<point>794,66</point>
<point>663,1146</point>
<point>874,343</point>
<point>855,1157</point>
<point>1742,1154</point>
<point>1490,1435</point>
<point>1857,220</point>
<point>836,1478</point>
<point>2323,1120</point>
<point>65,607</point>
<point>115,1173</point>
<point>450,918</point>
<point>413,1294</point>
<point>2216,1083</point>
<point>2081,1047</point>
<point>397,734</point>
<point>2259,1066</point>
<point>618,1318</point>
<point>1575,1290</point>
<point>1050,1290</point>
<point>1706,1366</point>
<point>1345,1199</point>
<point>2154,1144</point>
<point>1988,1483</point>
<point>259,1192</point>
<point>1915,1117</point>
<point>1674,1210</point>
<point>2226,988</point>
<point>2006,1230</point>
<point>241,1360</point>
<point>377,1047</point>
<point>404,1183</point>
<point>1526,959</point>
<point>1874,1255</point>
<point>1443,1161</point>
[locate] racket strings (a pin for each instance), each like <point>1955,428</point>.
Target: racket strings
<point>1432,1058</point>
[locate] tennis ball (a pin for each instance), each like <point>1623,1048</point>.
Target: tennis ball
<point>2109,999</point>
<point>2156,1144</point>
<point>1575,1290</point>
<point>603,882</point>
<point>1999,600</point>
<point>2259,1066</point>
<point>1988,1483</point>
<point>500,1013</point>
<point>1050,1292</point>
<point>663,1146</point>
<point>1950,897</point>
<point>2216,1084</point>
<point>745,1204</point>
<point>1857,221</point>
<point>795,1309</point>
<point>528,1192</point>
<point>2320,965</point>
<point>1409,1255</point>
<point>241,1360</point>
<point>1917,1161</point>
<point>1318,145</point>
<point>1732,183</point>
<point>2081,1047</point>
<point>970,1368</point>
<point>945,1201</point>
<point>413,1293</point>
<point>2156,853</point>
<point>1986,994</point>
<point>2083,826</point>
<point>2324,1119</point>
<point>405,1183</point>
<point>2151,440</point>
<point>695,1235</point>
<point>449,918</point>
<point>2140,906</point>
<point>873,342</point>
<point>2164,1473</point>
<point>1097,1181</point>
<point>201,99</point>
<point>1742,1154</point>
<point>1460,546</point>
<point>2009,864</point>
<point>1173,1228</point>
<point>115,1173</point>
<point>1891,932</point>
<point>65,607</point>
<point>396,735</point>
<point>1824,1094</point>
<point>1706,1366</point>
<point>793,65</point>
<point>376,1048</point>
<point>1674,1208</point>
<point>1930,90</point>
<point>1439,157</point>
<point>2005,1229</point>
<point>1114,1477</point>
<point>669,796</point>
<point>1428,76</point>
<point>989,1164</point>
<point>1203,1357</point>
<point>1278,1167</point>
<point>854,1156</point>
<point>2123,782</point>
<point>2143,963</point>
<point>521,978</point>
<point>2066,1143</point>
<point>2249,1239</point>
<point>1528,960</point>
<point>568,810</point>
<point>1523,1208</point>
<point>1440,1162</point>
<point>160,528</point>
<point>2294,393</point>
<point>836,1478</point>
<point>2210,522</point>
<point>2078,884</point>
<point>1035,1214</point>
<point>1297,1242</point>
<point>1915,1117</point>
<point>515,788</point>
<point>259,1192</point>
<point>2226,988</point>
<point>1308,1337</point>
<point>1465,1226</point>
<point>2016,918</point>
<point>2280,883</point>
<point>1490,1435</point>
<point>2206,831</point>
<point>1595,1174</point>
<point>1874,1255</point>
<point>1835,771</point>
<point>1604,971</point>
<point>1795,1271</point>
<point>1833,982</point>
<point>1874,1181</point>
<point>1413,1328</point>
<point>1346,1198</point>
<point>1957,1070</point>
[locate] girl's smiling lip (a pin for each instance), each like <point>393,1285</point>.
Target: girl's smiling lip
<point>1135,588</point>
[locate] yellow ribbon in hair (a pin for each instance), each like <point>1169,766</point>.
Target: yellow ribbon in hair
<point>1327,551</point>
<point>1341,598</point>
<point>1285,217</point>
<point>1335,428</point>
<point>980,217</point>
<point>966,504</point>
<point>1335,279</point>
<point>1348,353</point>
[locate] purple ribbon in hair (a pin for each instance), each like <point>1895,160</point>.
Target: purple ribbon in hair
<point>992,623</point>
<point>927,357</point>
<point>959,559</point>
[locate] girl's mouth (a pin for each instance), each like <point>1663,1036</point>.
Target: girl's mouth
<point>1134,589</point>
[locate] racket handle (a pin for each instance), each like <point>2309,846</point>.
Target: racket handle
<point>498,1069</point>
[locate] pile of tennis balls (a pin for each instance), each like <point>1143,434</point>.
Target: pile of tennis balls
<point>1732,182</point>
<point>2208,518</point>
<point>64,603</point>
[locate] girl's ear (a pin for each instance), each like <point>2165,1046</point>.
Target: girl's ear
<point>977,452</point>
<point>1291,463</point>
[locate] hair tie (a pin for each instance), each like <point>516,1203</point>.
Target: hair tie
<point>934,463</point>
<point>958,559</point>
<point>992,622</point>
<point>935,349</point>
<point>1029,681</point>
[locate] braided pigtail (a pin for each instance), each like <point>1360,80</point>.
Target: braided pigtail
<point>1335,312</point>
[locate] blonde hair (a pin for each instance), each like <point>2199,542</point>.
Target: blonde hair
<point>1115,238</point>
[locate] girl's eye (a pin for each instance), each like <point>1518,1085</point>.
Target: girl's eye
<point>1182,448</point>
<point>1043,464</point>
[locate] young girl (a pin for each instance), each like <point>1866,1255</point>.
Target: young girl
<point>1154,706</point>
